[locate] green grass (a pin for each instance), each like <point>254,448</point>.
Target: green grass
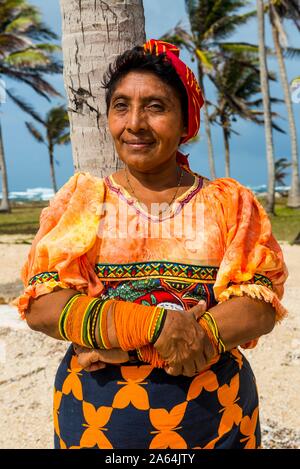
<point>286,223</point>
<point>24,219</point>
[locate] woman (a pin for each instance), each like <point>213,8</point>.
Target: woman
<point>156,275</point>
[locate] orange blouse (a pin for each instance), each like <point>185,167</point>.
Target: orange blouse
<point>93,220</point>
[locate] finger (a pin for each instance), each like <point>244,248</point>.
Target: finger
<point>83,361</point>
<point>200,363</point>
<point>189,368</point>
<point>86,359</point>
<point>199,309</point>
<point>79,349</point>
<point>75,348</point>
<point>173,370</point>
<point>96,366</point>
<point>114,356</point>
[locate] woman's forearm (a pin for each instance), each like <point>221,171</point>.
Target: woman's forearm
<point>53,315</point>
<point>44,312</point>
<point>242,319</point>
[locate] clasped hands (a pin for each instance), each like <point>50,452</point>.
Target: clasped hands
<point>182,344</point>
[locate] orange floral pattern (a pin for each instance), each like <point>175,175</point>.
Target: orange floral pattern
<point>133,392</point>
<point>72,382</point>
<point>167,423</point>
<point>132,397</point>
<point>231,412</point>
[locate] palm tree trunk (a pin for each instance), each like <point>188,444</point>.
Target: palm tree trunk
<point>93,34</point>
<point>270,207</point>
<point>211,159</point>
<point>227,148</point>
<point>294,194</point>
<point>52,171</point>
<point>4,207</point>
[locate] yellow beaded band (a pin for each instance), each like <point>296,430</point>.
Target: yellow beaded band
<point>102,322</point>
<point>64,316</point>
<point>215,334</point>
<point>158,324</point>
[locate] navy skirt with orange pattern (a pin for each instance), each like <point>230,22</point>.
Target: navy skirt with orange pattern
<point>136,406</point>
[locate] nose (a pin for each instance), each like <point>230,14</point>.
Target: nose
<point>136,119</point>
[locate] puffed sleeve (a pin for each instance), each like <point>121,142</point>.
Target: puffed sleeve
<point>68,230</point>
<point>253,262</point>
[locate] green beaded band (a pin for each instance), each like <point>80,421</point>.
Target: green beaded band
<point>85,328</point>
<point>89,322</point>
<point>159,325</point>
<point>101,345</point>
<point>64,315</point>
<point>93,325</point>
<point>139,355</point>
<point>214,330</point>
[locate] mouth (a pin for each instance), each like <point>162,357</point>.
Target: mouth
<point>138,144</point>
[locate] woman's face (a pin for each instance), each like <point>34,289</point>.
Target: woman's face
<point>145,120</point>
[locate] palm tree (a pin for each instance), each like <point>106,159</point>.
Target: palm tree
<point>25,60</point>
<point>211,23</point>
<point>280,170</point>
<point>56,125</point>
<point>93,34</point>
<point>278,11</point>
<point>237,80</point>
<point>270,206</point>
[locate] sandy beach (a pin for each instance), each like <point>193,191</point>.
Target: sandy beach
<point>28,362</point>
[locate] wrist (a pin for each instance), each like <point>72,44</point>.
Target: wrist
<point>159,319</point>
<point>209,325</point>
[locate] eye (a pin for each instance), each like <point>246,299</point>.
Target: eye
<point>156,107</point>
<point>120,106</point>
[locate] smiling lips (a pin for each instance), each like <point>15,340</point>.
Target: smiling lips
<point>138,143</point>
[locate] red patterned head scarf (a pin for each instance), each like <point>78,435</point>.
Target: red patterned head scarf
<point>195,98</point>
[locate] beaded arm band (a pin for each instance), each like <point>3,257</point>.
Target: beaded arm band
<point>149,354</point>
<point>209,325</point>
<point>135,325</point>
<point>79,318</point>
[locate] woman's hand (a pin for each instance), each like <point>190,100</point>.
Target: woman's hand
<point>183,344</point>
<point>94,359</point>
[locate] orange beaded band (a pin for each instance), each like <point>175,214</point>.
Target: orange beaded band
<point>79,319</point>
<point>136,325</point>
<point>209,334</point>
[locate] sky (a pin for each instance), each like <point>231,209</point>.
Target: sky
<point>27,160</point>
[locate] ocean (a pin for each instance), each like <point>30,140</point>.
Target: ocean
<point>39,194</point>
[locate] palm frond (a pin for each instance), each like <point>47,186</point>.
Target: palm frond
<point>291,53</point>
<point>35,133</point>
<point>179,37</point>
<point>27,58</point>
<point>57,123</point>
<point>20,24</point>
<point>63,140</point>
<point>26,107</point>
<point>225,26</point>
<point>237,47</point>
<point>12,42</point>
<point>204,58</point>
<point>34,80</point>
<point>51,48</point>
<point>279,129</point>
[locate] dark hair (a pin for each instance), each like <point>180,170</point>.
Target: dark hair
<point>136,60</point>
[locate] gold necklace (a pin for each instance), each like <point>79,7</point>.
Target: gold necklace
<point>173,198</point>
